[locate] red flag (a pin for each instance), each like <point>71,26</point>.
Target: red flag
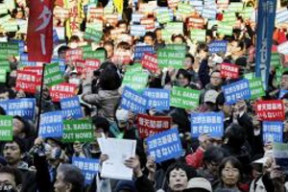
<point>40,31</point>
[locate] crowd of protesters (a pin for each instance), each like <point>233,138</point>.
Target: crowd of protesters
<point>238,161</point>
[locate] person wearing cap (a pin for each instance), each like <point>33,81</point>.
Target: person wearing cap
<point>198,184</point>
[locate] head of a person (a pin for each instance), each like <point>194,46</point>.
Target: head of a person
<point>101,126</point>
<point>110,78</point>
<point>183,78</point>
<point>234,136</point>
<point>230,172</point>
<point>123,26</point>
<point>236,47</point>
<point>210,98</point>
<point>198,184</point>
<point>10,179</point>
<point>13,151</point>
<point>189,61</point>
<point>69,178</point>
<point>177,176</point>
<point>61,51</point>
<point>212,158</point>
<point>21,127</point>
<point>122,53</point>
<point>215,78</point>
<point>122,118</point>
<point>202,51</point>
<point>284,81</point>
<point>285,102</point>
<point>149,38</point>
<point>178,39</point>
<point>223,106</point>
<point>109,47</point>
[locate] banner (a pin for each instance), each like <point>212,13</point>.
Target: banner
<point>6,128</point>
<point>88,166</point>
<point>164,146</point>
<point>137,30</point>
<point>93,35</point>
<point>198,35</point>
<point>133,101</point>
<point>256,88</point>
<point>141,49</point>
<point>71,108</point>
<point>77,130</point>
<point>149,61</point>
<point>136,80</point>
<point>210,123</point>
<point>185,98</point>
<point>218,46</point>
<point>229,70</point>
<point>265,28</point>
<point>273,131</point>
<point>270,110</point>
<point>62,90</point>
<point>150,125</point>
<point>51,124</point>
<point>40,31</point>
<point>236,91</point>
<point>22,107</point>
<point>158,99</point>
<point>27,81</point>
<point>52,75</point>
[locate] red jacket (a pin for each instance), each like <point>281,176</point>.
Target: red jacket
<point>195,159</point>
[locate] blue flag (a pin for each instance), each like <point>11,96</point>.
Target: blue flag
<point>210,123</point>
<point>22,107</point>
<point>236,91</point>
<point>165,145</point>
<point>89,167</point>
<point>51,124</point>
<point>273,131</point>
<point>133,101</point>
<point>158,98</point>
<point>71,108</point>
<point>265,28</point>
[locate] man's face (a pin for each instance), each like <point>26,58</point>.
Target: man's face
<point>148,40</point>
<point>60,185</point>
<point>12,153</point>
<point>215,79</point>
<point>284,82</point>
<point>17,127</point>
<point>123,28</point>
<point>7,181</point>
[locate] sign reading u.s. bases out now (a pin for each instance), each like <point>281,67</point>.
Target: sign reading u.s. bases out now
<point>184,98</point>
<point>78,130</point>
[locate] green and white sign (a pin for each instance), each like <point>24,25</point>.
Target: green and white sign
<point>136,80</point>
<point>52,75</point>
<point>77,130</point>
<point>184,98</point>
<point>6,128</point>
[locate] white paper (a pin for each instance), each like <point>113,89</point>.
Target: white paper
<point>118,150</point>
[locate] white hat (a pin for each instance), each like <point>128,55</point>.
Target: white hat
<point>210,96</point>
<point>199,183</point>
<point>263,160</point>
<point>122,115</point>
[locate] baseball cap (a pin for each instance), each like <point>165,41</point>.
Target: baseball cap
<point>199,183</point>
<point>211,96</point>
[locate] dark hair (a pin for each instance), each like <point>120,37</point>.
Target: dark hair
<point>26,126</point>
<point>185,74</point>
<point>2,111</point>
<point>214,154</point>
<point>20,143</point>
<point>234,162</point>
<point>110,43</point>
<point>123,45</point>
<point>235,135</point>
<point>62,49</point>
<point>178,36</point>
<point>190,172</point>
<point>202,47</point>
<point>109,77</point>
<point>285,73</point>
<point>220,100</point>
<point>191,57</point>
<point>72,175</point>
<point>150,34</point>
<point>101,122</point>
<point>215,71</point>
<point>121,22</point>
<point>12,171</point>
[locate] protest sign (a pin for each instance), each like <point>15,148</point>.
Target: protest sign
<point>27,81</point>
<point>98,54</point>
<point>229,18</point>
<point>141,49</point>
<point>133,101</point>
<point>256,88</point>
<point>282,93</point>
<point>73,54</point>
<point>5,65</point>
<point>184,98</point>
<point>135,80</point>
<point>209,13</point>
<point>275,60</point>
<point>35,69</point>
<point>93,35</point>
<point>8,50</point>
<point>164,17</point>
<point>79,66</point>
<point>149,61</point>
<point>165,145</point>
<point>149,23</point>
<point>236,91</point>
<point>88,166</point>
<point>91,65</point>
<point>195,23</point>
<point>52,75</point>
<point>77,130</point>
<point>24,60</point>
<point>62,90</point>
<point>229,70</point>
<point>71,108</point>
<point>136,67</point>
<point>3,74</point>
<point>184,9</point>
<point>150,125</point>
<point>218,46</point>
<point>158,99</point>
<point>235,7</point>
<point>137,30</point>
<point>24,107</point>
<point>210,123</point>
<point>270,110</point>
<point>198,35</point>
<point>273,131</point>
<point>136,17</point>
<point>3,9</point>
<point>40,31</point>
<point>281,16</point>
<point>223,4</point>
<point>224,29</point>
<point>51,124</point>
<point>6,128</point>
<point>280,153</point>
<point>170,58</point>
<point>175,27</point>
<point>247,12</point>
